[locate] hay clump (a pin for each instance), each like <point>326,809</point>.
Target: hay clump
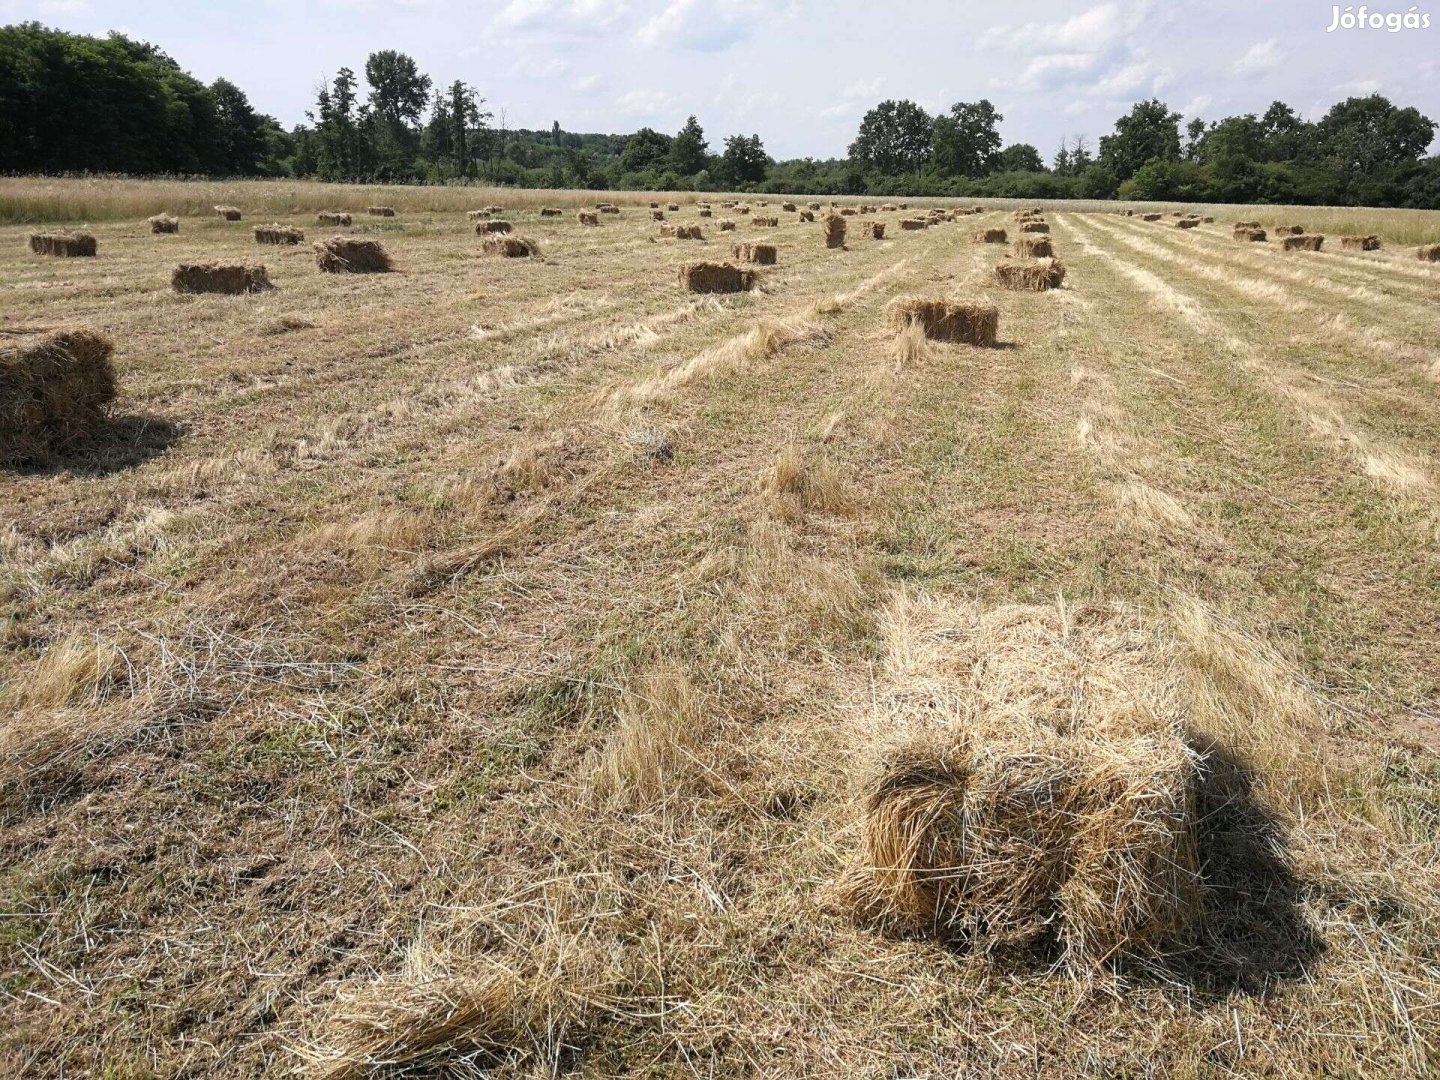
<point>761,254</point>
<point>812,206</point>
<point>946,320</point>
<point>1360,243</point>
<point>492,227</point>
<point>657,215</point>
<point>708,277</point>
<point>1207,220</point>
<point>1249,236</point>
<point>164,223</point>
<point>229,279</point>
<point>1032,247</point>
<point>789,206</point>
<point>229,213</point>
<point>585,217</point>
<point>705,211</point>
<point>673,207</point>
<point>1428,253</point>
<point>55,388</point>
<point>765,222</point>
<point>1297,242</point>
<point>278,234</point>
<point>1035,276</point>
<point>1289,230</point>
<point>1150,217</point>
<point>333,217</point>
<point>913,224</point>
<point>849,211</point>
<point>807,215</point>
<point>1247,225</point>
<point>380,211</point>
<point>989,236</point>
<point>352,255</point>
<point>834,225</point>
<point>875,230</point>
<point>1034,227</point>
<point>65,244</point>
<point>609,208</point>
<point>726,225</point>
<point>1026,774</point>
<point>741,208</point>
<point>1187,223</point>
<point>684,232</point>
<point>551,211</point>
<point>477,215</point>
<point>510,247</point>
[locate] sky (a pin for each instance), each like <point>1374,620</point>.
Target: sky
<point>800,73</point>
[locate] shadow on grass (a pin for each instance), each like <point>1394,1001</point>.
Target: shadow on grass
<point>121,443</point>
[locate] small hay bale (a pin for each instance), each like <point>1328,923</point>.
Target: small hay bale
<point>888,207</point>
<point>278,234</point>
<point>1187,223</point>
<point>477,215</point>
<point>1035,276</point>
<point>726,225</point>
<point>913,224</point>
<point>55,388</point>
<point>789,206</point>
<point>1128,213</point>
<point>673,207</point>
<point>609,208</point>
<point>987,236</point>
<point>380,211</point>
<point>510,247</point>
<point>1034,227</point>
<point>232,279</point>
<point>657,215</point>
<point>352,255</point>
<point>1247,225</point>
<point>493,210</point>
<point>705,211</point>
<point>486,227</point>
<point>812,206</point>
<point>947,320</point>
<point>1032,247</point>
<point>335,217</point>
<point>807,215</point>
<point>164,223</point>
<point>834,225</point>
<point>551,211</point>
<point>760,254</point>
<point>1249,236</point>
<point>765,222</point>
<point>66,244</point>
<point>229,213</point>
<point>1150,217</point>
<point>741,208</point>
<point>875,230</point>
<point>1360,243</point>
<point>1297,242</point>
<point>681,232</point>
<point>849,211</point>
<point>1289,230</point>
<point>708,277</point>
<point>654,206</point>
<point>585,217</point>
<point>1428,253</point>
<point>1207,220</point>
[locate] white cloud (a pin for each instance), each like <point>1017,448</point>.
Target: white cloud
<point>647,103</point>
<point>1196,105</point>
<point>1094,30</point>
<point>1260,58</point>
<point>564,16</point>
<point>694,24</point>
<point>587,84</point>
<point>1358,87</point>
<point>1054,70</point>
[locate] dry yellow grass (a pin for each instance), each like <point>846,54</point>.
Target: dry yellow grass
<point>491,668</point>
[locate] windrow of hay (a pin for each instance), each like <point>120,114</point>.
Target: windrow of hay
<point>229,213</point>
<point>278,234</point>
<point>762,254</point>
<point>1034,227</point>
<point>988,236</point>
<point>1035,276</point>
<point>164,223</point>
<point>1360,243</point>
<point>66,244</point>
<point>492,227</point>
<point>1249,236</point>
<point>585,217</point>
<point>834,225</point>
<point>708,277</point>
<point>1026,775</point>
<point>1298,242</point>
<point>875,230</point>
<point>351,255</point>
<point>229,279</point>
<point>1032,247</point>
<point>55,388</point>
<point>946,320</point>
<point>1428,253</point>
<point>510,247</point>
<point>380,211</point>
<point>333,217</point>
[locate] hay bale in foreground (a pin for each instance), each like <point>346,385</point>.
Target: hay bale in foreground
<point>351,255</point>
<point>946,320</point>
<point>875,230</point>
<point>834,225</point>
<point>708,277</point>
<point>333,217</point>
<point>1035,276</point>
<point>1032,247</point>
<point>1150,217</point>
<point>164,223</point>
<point>55,388</point>
<point>1428,253</point>
<point>761,254</point>
<point>1034,227</point>
<point>1025,775</point>
<point>229,213</point>
<point>510,247</point>
<point>487,227</point>
<point>587,218</point>
<point>66,244</point>
<point>1249,236</point>
<point>380,211</point>
<point>231,279</point>
<point>1297,242</point>
<point>987,236</point>
<point>278,234</point>
<point>1360,243</point>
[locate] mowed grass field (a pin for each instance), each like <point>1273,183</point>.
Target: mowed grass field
<point>475,670</point>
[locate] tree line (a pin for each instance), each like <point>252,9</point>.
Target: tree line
<point>71,103</point>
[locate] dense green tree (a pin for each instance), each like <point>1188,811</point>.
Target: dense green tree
<point>242,133</point>
<point>744,160</point>
<point>1149,132</point>
<point>1020,157</point>
<point>966,141</point>
<point>645,149</point>
<point>895,137</point>
<point>688,149</point>
<point>1367,141</point>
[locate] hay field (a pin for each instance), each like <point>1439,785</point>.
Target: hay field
<point>523,667</point>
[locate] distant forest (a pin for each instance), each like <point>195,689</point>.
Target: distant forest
<point>76,104</point>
